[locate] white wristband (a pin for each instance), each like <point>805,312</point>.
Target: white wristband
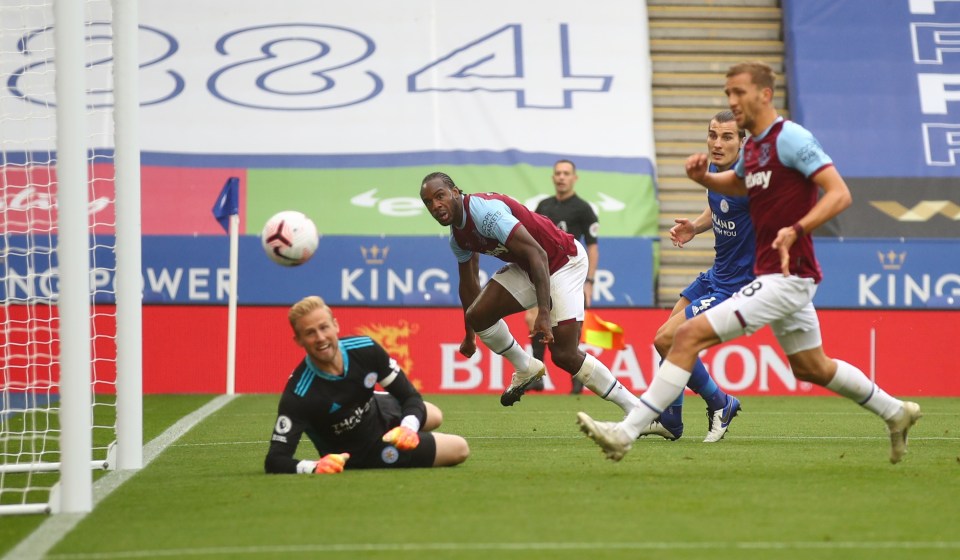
<point>411,422</point>
<point>306,467</point>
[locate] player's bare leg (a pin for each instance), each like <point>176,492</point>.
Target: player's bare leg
<point>434,417</point>
<point>586,368</point>
<point>451,450</point>
<point>485,317</point>
<point>842,378</point>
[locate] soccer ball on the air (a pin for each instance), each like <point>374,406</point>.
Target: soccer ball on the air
<point>289,238</point>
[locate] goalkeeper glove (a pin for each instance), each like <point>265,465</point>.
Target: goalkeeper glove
<point>403,438</point>
<point>331,464</point>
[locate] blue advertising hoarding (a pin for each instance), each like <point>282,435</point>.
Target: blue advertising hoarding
<point>888,273</point>
<point>346,270</point>
<point>876,82</point>
<point>422,272</point>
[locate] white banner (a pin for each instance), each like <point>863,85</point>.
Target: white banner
<point>303,77</point>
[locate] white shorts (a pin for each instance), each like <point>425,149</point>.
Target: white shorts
<point>566,287</point>
<point>783,302</point>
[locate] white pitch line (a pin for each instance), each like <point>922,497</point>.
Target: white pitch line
<point>519,546</point>
<point>852,412</point>
<point>579,436</point>
<point>49,533</point>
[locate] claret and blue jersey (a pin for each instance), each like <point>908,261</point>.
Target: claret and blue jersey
<point>489,219</point>
<point>777,166</point>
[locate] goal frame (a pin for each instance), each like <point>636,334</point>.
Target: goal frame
<point>73,493</point>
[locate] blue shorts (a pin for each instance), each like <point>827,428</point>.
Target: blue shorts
<point>703,294</point>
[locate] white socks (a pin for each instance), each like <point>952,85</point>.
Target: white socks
<point>850,382</point>
<point>499,339</point>
<point>666,385</point>
<point>596,377</point>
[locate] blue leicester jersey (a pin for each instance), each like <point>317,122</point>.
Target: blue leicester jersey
<point>734,240</point>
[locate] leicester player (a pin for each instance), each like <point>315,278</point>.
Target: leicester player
<point>729,217</point>
<point>330,398</point>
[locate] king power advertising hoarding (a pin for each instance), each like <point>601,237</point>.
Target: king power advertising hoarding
<point>377,271</point>
<point>422,272</point>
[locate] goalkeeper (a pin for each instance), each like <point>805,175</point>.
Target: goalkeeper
<point>330,399</point>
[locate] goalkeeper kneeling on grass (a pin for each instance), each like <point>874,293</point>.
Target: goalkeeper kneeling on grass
<point>330,398</point>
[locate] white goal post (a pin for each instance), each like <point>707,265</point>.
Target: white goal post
<point>70,241</point>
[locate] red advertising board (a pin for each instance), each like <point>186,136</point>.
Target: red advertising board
<point>176,200</point>
<point>28,198</point>
<point>185,350</point>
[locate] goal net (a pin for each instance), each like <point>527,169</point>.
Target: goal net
<point>59,202</point>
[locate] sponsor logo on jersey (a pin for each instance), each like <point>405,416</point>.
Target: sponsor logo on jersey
<point>727,228</point>
<point>283,425</point>
<point>761,179</point>
<point>489,221</point>
<point>389,455</point>
<point>811,151</point>
<point>499,250</point>
<point>352,421</point>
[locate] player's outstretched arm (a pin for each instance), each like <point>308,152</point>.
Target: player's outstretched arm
<point>725,182</point>
<point>686,230</point>
<point>696,167</point>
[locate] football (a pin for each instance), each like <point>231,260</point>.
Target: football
<point>289,238</point>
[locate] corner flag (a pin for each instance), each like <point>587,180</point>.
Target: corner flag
<point>227,211</point>
<point>228,203</point>
<point>603,334</point>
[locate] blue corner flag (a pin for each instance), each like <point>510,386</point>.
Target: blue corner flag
<point>228,203</point>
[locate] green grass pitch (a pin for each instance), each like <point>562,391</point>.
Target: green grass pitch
<point>796,477</point>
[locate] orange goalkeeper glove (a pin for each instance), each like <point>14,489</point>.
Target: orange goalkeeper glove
<point>403,438</point>
<point>331,464</point>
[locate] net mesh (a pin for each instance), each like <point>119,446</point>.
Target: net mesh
<point>29,325</point>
